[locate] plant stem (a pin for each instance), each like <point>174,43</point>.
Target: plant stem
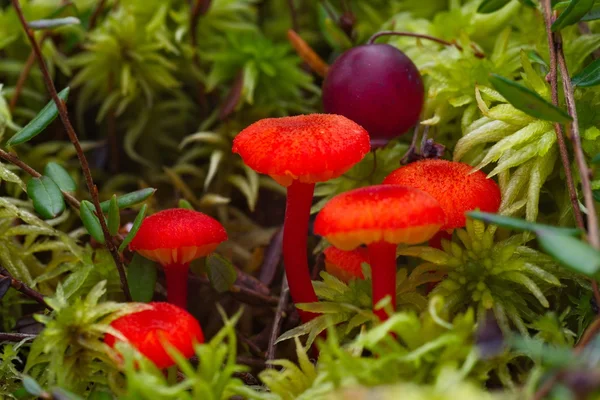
<point>293,15</point>
<point>96,14</point>
<point>26,290</point>
<point>295,232</point>
<point>376,36</point>
<point>307,54</point>
<point>15,337</point>
<point>382,256</point>
<point>64,116</point>
<point>279,314</point>
<point>177,277</point>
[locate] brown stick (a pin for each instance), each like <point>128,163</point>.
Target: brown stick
<point>96,14</point>
<point>26,290</point>
<point>307,54</point>
<point>64,116</point>
<point>21,81</point>
<point>293,15</point>
<point>279,314</point>
<point>15,337</point>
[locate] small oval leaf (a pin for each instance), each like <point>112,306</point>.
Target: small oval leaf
<point>590,76</point>
<point>221,273</point>
<point>571,252</point>
<point>129,199</point>
<point>46,196</point>
<point>91,221</point>
<point>593,14</point>
<point>114,216</point>
<point>528,101</point>
<point>53,23</point>
<point>141,276</point>
<point>60,176</point>
<point>183,203</point>
<point>576,10</point>
<point>134,228</point>
<point>489,6</point>
<point>39,122</point>
<point>32,387</point>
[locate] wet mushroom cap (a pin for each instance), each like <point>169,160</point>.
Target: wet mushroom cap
<point>454,185</point>
<point>177,236</point>
<point>345,265</point>
<point>390,213</point>
<point>148,329</point>
<point>310,148</point>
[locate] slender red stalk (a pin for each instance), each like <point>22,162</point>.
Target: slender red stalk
<point>383,274</point>
<point>295,232</point>
<point>177,277</point>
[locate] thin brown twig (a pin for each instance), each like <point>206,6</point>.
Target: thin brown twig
<point>96,14</point>
<point>293,15</point>
<point>21,81</point>
<point>26,290</point>
<point>64,116</point>
<point>307,54</point>
<point>279,314</point>
<point>15,337</point>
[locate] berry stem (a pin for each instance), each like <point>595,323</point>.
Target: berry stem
<point>376,36</point>
<point>177,277</point>
<point>382,256</point>
<point>295,232</point>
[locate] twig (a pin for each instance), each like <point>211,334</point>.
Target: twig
<point>293,15</point>
<point>64,116</point>
<point>26,290</point>
<point>279,314</point>
<point>307,54</point>
<point>272,258</point>
<point>376,36</point>
<point>15,337</point>
<point>560,137</point>
<point>96,14</point>
<point>11,158</point>
<point>241,293</point>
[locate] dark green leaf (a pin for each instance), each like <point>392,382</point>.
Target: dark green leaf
<point>141,276</point>
<point>129,199</point>
<point>489,6</point>
<point>537,350</point>
<point>596,159</point>
<point>60,176</point>
<point>91,221</point>
<point>571,252</point>
<point>53,23</point>
<point>114,216</point>
<point>572,14</point>
<point>596,194</point>
<point>46,196</point>
<point>536,58</point>
<point>590,76</point>
<point>528,101</point>
<point>593,14</point>
<point>63,394</point>
<point>520,224</point>
<point>21,393</point>
<point>134,228</point>
<point>32,386</point>
<point>39,122</point>
<point>183,203</point>
<point>221,273</point>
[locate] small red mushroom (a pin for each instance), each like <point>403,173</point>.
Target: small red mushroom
<point>174,238</point>
<point>345,265</point>
<point>454,185</point>
<point>147,330</point>
<point>297,152</point>
<point>381,217</point>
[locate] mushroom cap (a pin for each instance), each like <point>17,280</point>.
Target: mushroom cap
<point>146,330</point>
<point>177,236</point>
<point>388,213</point>
<point>453,184</point>
<point>345,265</point>
<point>310,148</point>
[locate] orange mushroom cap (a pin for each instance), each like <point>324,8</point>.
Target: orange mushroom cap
<point>177,236</point>
<point>148,329</point>
<point>453,184</point>
<point>310,148</point>
<point>345,265</point>
<point>389,213</point>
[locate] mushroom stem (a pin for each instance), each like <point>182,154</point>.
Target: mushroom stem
<point>383,274</point>
<point>177,277</point>
<point>295,232</point>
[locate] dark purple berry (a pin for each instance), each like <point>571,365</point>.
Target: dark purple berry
<point>378,87</point>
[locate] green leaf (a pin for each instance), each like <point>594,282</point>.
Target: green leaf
<point>91,221</point>
<point>60,176</point>
<point>32,386</point>
<point>46,196</point>
<point>527,100</point>
<point>528,3</point>
<point>596,159</point>
<point>571,252</point>
<point>593,14</point>
<point>590,76</point>
<point>183,203</point>
<point>114,216</point>
<point>53,23</point>
<point>489,6</point>
<point>576,10</point>
<point>129,199</point>
<point>221,272</point>
<point>63,394</point>
<point>134,228</point>
<point>141,276</point>
<point>39,122</point>
<point>520,224</point>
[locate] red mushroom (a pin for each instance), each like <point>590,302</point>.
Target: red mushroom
<point>297,152</point>
<point>454,185</point>
<point>147,330</point>
<point>345,265</point>
<point>381,217</point>
<point>174,238</point>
